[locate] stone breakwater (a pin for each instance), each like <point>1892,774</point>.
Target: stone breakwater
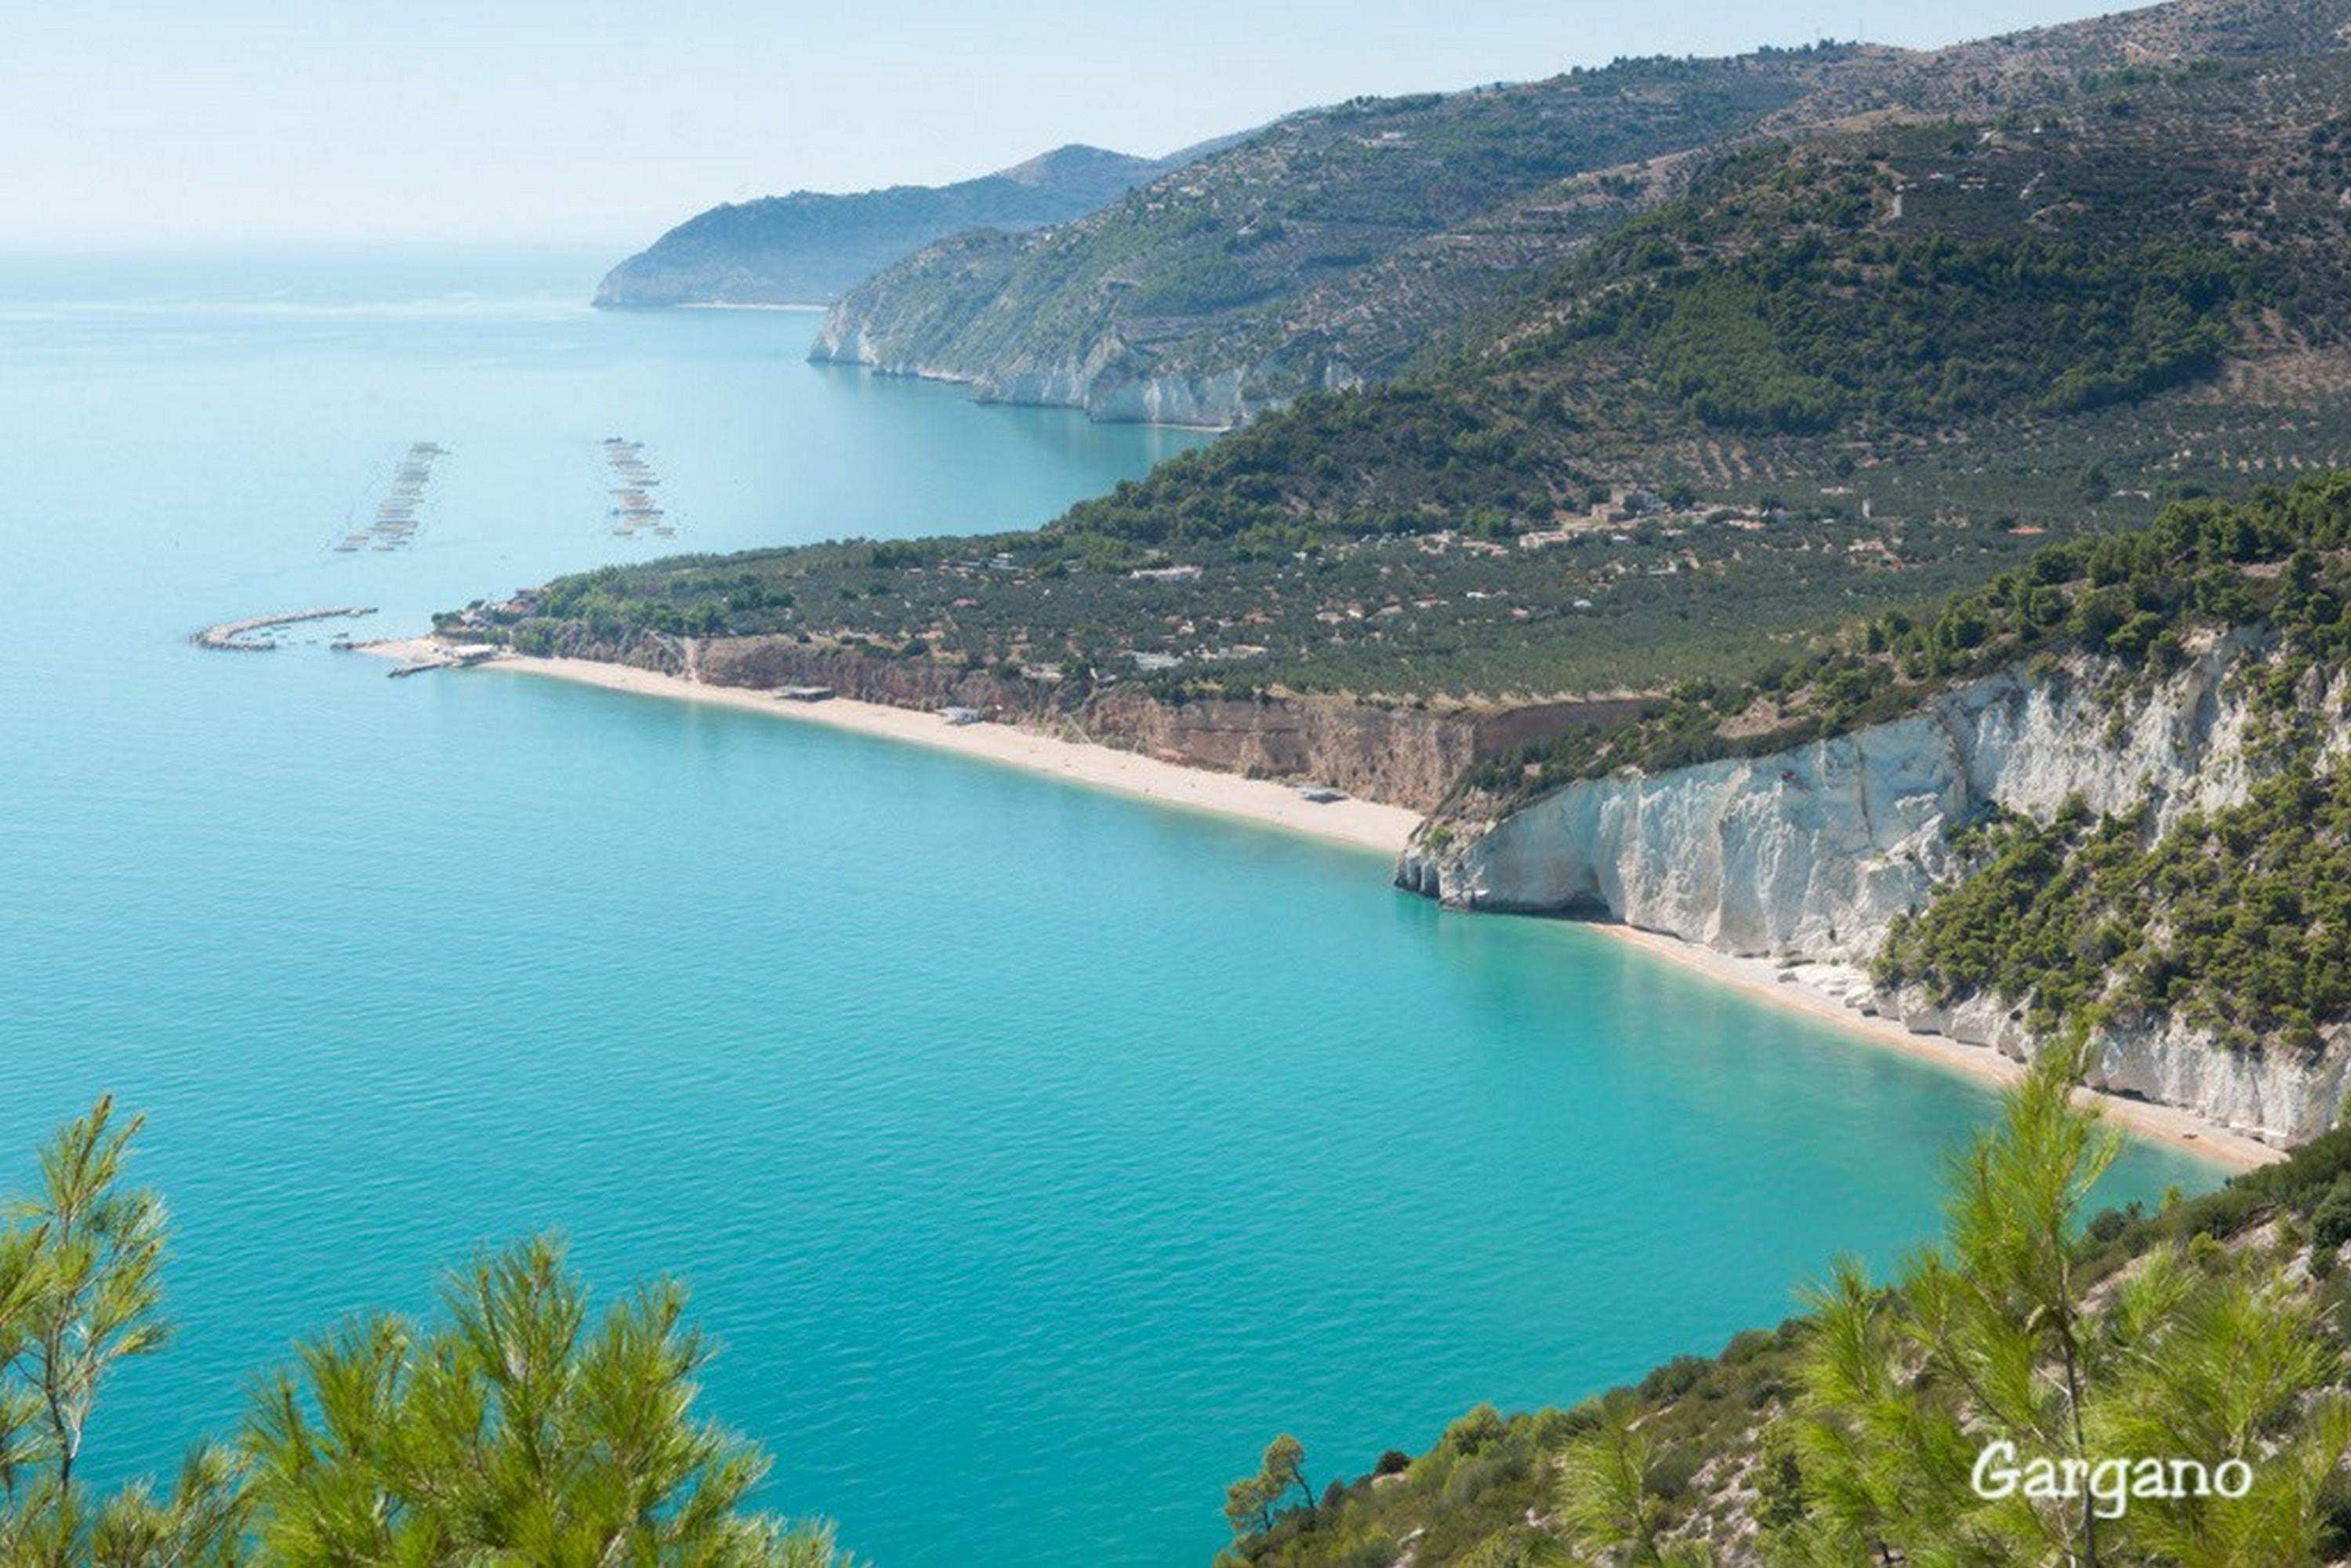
<point>242,636</point>
<point>1807,856</point>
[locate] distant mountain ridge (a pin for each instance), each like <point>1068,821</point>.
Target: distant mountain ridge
<point>1346,246</point>
<point>1326,251</point>
<point>812,247</point>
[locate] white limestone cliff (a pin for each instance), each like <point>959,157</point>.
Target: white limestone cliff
<point>1103,383</point>
<point>1810,853</point>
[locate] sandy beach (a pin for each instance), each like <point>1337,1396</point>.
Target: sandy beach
<point>1767,982</point>
<point>1362,824</point>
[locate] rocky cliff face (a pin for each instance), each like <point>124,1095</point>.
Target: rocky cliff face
<point>1809,854</point>
<point>1402,757</point>
<point>1101,376</point>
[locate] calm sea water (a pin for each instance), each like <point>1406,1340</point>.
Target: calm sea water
<point>1036,1155</point>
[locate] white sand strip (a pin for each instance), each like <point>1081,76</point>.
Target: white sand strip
<point>1363,824</point>
<point>1761,979</point>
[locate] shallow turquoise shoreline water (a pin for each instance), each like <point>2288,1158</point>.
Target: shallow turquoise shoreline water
<point>1035,1153</point>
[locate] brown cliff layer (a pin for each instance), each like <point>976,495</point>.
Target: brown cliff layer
<point>1399,756</point>
<point>1402,757</point>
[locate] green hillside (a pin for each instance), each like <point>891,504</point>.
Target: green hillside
<point>1330,247</point>
<point>1945,304</point>
<point>1340,246</point>
<point>1839,374</point>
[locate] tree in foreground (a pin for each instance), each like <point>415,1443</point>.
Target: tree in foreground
<point>80,1293</point>
<point>1251,1502</point>
<point>520,1428</point>
<point>1996,1345</point>
<point>1608,1501</point>
<point>2198,1353</point>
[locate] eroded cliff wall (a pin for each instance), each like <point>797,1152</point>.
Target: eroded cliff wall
<point>1810,853</point>
<point>1403,756</point>
<point>1101,376</point>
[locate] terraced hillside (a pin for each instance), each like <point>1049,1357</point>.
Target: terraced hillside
<point>1889,297</point>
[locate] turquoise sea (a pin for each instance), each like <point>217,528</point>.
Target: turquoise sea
<point>1035,1153</point>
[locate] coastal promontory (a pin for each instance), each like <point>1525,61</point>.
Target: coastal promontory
<point>811,248</point>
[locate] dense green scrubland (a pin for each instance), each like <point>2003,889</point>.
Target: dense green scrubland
<point>2237,922</point>
<point>1380,221</point>
<point>2215,1329</point>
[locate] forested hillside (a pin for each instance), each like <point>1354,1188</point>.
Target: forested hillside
<point>1338,246</point>
<point>1331,247</point>
<point>1952,303</point>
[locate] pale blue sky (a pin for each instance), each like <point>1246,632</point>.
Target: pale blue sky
<point>602,121</point>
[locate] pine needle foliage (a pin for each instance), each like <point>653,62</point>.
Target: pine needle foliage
<point>80,1293</point>
<point>1849,1436</point>
<point>1609,1501</point>
<point>2196,1354</point>
<point>521,1427</point>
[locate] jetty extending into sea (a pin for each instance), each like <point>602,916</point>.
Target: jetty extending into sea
<point>241,636</point>
<point>427,655</point>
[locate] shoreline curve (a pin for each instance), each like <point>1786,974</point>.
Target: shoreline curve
<point>1355,824</point>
